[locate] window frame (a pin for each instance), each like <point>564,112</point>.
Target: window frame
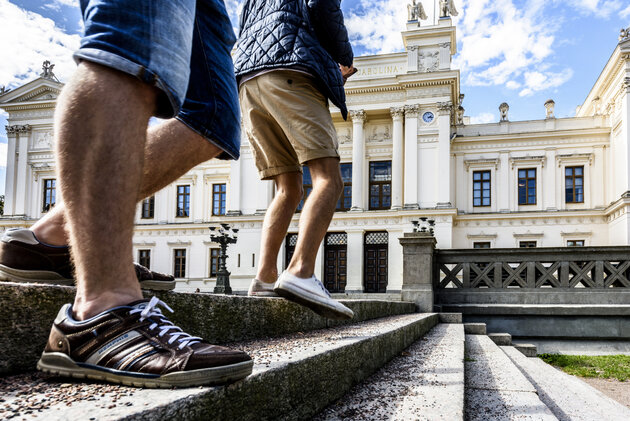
<point>346,184</point>
<point>185,195</point>
<point>575,243</point>
<point>306,188</point>
<point>222,199</point>
<point>573,177</point>
<point>381,184</point>
<point>482,245</point>
<point>213,259</point>
<point>181,261</point>
<point>526,187</point>
<point>481,189</point>
<point>150,201</point>
<point>527,244</point>
<point>141,257</point>
<point>52,189</point>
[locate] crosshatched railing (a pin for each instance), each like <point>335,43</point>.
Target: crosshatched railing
<point>566,268</point>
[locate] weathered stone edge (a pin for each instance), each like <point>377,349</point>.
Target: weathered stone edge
<point>296,390</point>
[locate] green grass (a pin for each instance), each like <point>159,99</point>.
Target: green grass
<point>605,366</point>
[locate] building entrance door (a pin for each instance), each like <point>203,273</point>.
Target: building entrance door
<point>375,262</point>
<point>335,261</point>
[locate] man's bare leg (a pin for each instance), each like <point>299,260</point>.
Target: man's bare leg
<point>316,214</point>
<point>100,168</point>
<point>160,169</point>
<point>276,223</point>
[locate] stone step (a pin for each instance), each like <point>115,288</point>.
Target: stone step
<point>27,312</point>
<point>294,377</point>
<point>501,338</point>
<point>529,350</point>
<point>568,397</point>
<point>475,328</point>
<point>425,382</point>
<point>450,317</point>
<point>495,388</point>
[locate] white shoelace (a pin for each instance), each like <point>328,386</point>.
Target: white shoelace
<point>321,285</point>
<point>165,326</point>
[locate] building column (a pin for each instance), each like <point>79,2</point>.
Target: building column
<point>354,274</point>
<point>23,184</point>
<point>9,190</point>
<point>598,187</point>
<point>397,157</point>
<point>234,189</point>
<point>502,176</point>
<point>358,158</point>
<point>263,196</point>
<point>411,157</point>
<point>197,194</point>
<point>549,181</point>
<point>444,155</point>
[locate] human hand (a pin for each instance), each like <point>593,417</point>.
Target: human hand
<point>346,71</point>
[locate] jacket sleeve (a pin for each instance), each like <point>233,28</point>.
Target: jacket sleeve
<point>327,20</point>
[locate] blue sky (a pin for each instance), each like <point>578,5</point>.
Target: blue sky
<point>522,52</point>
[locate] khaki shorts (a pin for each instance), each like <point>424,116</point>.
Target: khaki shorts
<point>287,122</point>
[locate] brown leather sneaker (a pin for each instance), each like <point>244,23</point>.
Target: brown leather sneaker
<point>23,258</point>
<point>136,345</point>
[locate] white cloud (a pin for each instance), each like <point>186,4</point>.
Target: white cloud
<point>625,12</point>
<point>537,81</point>
<point>599,8</point>
<point>511,84</point>
<point>28,39</point>
<point>483,118</point>
<point>3,154</point>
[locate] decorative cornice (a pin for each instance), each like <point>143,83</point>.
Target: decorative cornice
<point>445,108</point>
<point>481,163</point>
<point>412,110</point>
<point>524,160</point>
<point>575,158</point>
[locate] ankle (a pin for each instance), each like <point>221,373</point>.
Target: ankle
<point>301,271</point>
<point>267,276</point>
<point>86,307</point>
<point>50,233</point>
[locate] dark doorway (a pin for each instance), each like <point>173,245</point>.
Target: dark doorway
<point>289,248</point>
<point>375,261</point>
<point>335,261</point>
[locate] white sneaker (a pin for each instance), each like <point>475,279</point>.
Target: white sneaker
<point>311,293</point>
<point>261,289</point>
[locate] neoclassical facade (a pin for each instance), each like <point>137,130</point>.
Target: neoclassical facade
<point>407,152</point>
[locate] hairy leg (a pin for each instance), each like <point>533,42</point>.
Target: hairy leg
<point>316,214</point>
<point>100,170</point>
<point>276,223</point>
<point>160,169</point>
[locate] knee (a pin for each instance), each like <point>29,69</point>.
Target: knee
<point>292,194</point>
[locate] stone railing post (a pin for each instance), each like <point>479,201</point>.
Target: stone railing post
<point>418,249</point>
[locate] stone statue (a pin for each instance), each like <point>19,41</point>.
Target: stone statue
<point>3,90</point>
<point>549,108</point>
<point>415,11</point>
<point>447,8</point>
<point>503,109</point>
<point>624,34</point>
<point>47,71</point>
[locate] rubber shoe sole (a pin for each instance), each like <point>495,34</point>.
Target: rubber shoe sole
<point>60,364</point>
<point>298,295</point>
<point>33,276</point>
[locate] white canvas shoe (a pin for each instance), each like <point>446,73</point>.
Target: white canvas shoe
<point>311,293</point>
<point>261,289</point>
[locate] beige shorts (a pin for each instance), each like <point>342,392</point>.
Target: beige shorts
<point>287,122</point>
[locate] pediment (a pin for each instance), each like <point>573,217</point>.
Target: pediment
<point>40,89</point>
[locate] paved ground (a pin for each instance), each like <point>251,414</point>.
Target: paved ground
<point>619,391</point>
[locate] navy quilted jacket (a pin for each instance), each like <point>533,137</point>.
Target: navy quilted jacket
<point>305,33</point>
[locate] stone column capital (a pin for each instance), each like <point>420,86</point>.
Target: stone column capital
<point>358,116</point>
<point>18,128</point>
<point>397,112</point>
<point>412,110</point>
<point>445,108</point>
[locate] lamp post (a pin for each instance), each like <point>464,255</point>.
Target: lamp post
<point>223,235</point>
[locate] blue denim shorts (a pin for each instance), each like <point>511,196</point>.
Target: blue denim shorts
<point>183,48</point>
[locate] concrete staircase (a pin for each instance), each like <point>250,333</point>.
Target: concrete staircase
<point>389,363</point>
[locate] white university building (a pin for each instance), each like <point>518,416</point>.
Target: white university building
<point>407,151</point>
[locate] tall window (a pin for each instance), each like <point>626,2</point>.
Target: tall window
<point>527,186</point>
<point>183,201</point>
<point>144,258</point>
<point>218,199</point>
<point>50,192</point>
<point>307,185</point>
<point>527,244</point>
<point>574,184</point>
<point>345,201</point>
<point>380,185</point>
<point>179,265</point>
<point>148,207</point>
<point>481,188</point>
<point>214,262</point>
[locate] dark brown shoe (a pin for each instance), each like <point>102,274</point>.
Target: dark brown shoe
<point>136,345</point>
<point>23,258</point>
